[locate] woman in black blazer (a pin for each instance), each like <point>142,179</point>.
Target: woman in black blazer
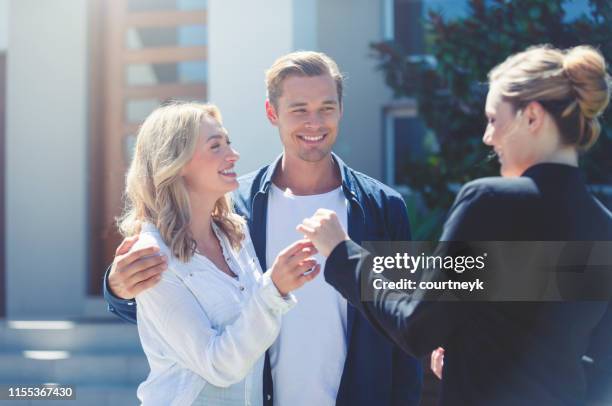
<point>542,109</point>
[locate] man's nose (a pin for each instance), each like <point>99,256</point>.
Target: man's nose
<point>314,121</point>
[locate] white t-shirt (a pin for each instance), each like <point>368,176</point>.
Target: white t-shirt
<point>308,357</point>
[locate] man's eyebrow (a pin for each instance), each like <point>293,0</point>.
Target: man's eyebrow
<point>303,104</point>
<point>297,104</point>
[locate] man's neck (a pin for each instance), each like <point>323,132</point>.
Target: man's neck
<point>307,178</point>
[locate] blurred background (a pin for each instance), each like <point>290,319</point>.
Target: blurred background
<point>77,77</point>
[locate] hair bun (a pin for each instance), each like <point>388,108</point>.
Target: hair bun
<point>585,67</point>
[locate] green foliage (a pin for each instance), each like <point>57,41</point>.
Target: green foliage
<point>450,86</point>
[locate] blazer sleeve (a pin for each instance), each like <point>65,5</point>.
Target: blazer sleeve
<point>416,323</point>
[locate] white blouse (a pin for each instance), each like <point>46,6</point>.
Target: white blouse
<point>204,333</point>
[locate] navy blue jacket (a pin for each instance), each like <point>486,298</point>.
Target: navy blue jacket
<point>376,372</point>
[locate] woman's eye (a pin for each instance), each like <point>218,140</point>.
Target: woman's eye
<point>215,146</point>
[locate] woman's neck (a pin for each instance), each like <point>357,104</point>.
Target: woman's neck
<point>565,156</point>
<point>200,223</point>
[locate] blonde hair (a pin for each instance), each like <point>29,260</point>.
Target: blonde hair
<point>572,85</point>
<point>155,191</point>
<point>301,63</point>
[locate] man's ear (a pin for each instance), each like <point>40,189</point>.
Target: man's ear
<point>535,115</point>
<point>271,113</point>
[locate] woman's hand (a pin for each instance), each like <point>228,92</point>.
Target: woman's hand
<point>437,361</point>
<point>324,230</point>
<point>289,267</point>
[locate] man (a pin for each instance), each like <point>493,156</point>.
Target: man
<point>326,352</point>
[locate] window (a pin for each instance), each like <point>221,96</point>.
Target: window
<point>404,131</point>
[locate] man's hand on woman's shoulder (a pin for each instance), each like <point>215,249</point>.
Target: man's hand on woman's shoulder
<point>134,271</point>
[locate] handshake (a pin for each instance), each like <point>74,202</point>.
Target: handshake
<point>323,229</point>
<point>295,266</point>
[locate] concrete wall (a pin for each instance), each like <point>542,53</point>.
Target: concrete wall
<point>46,239</point>
<point>304,16</point>
<point>345,30</point>
<point>244,39</point>
<point>342,28</point>
<point>4,24</point>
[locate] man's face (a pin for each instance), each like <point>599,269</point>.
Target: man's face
<point>307,116</point>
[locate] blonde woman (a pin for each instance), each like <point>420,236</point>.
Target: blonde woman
<point>543,108</point>
<point>205,326</point>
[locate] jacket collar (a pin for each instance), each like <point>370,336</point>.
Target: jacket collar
<point>554,170</point>
<point>348,184</point>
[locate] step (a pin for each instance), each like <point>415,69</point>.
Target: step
<point>103,359</point>
<point>73,368</point>
<point>68,336</point>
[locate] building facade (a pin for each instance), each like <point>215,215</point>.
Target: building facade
<point>82,74</point>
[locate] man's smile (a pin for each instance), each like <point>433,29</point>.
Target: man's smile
<point>312,139</point>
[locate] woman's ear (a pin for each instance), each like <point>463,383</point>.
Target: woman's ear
<point>535,116</point>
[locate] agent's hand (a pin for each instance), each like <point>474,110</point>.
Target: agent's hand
<point>437,361</point>
<point>324,230</point>
<point>291,264</point>
<point>135,271</point>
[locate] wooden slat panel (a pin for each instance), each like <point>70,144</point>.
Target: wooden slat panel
<point>163,92</point>
<point>165,54</point>
<point>114,163</point>
<point>97,147</point>
<point>165,18</point>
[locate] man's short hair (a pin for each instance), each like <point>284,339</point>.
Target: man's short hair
<point>300,63</point>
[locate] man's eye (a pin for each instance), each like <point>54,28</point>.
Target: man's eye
<point>215,146</point>
<point>299,111</point>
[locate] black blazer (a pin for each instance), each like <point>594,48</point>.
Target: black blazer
<point>503,353</point>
